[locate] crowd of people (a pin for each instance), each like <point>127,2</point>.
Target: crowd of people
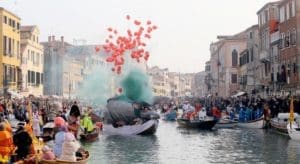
<point>244,108</point>
<point>21,128</point>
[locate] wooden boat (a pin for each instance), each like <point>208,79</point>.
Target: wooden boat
<point>293,131</point>
<point>147,128</point>
<point>90,137</point>
<point>205,124</point>
<point>279,124</point>
<point>79,161</point>
<point>253,124</point>
<point>226,123</point>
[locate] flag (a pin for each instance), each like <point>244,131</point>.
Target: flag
<point>291,111</point>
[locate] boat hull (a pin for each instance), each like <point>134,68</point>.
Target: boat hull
<point>147,128</point>
<point>293,131</point>
<point>226,124</point>
<point>255,124</point>
<point>90,137</point>
<point>279,127</point>
<point>199,124</point>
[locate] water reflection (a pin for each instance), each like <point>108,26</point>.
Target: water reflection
<point>177,145</point>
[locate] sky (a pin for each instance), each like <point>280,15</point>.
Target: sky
<point>185,27</point>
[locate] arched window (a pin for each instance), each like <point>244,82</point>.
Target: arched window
<point>234,58</point>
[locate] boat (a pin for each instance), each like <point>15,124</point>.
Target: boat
<point>279,123</point>
<point>252,124</point>
<point>226,123</point>
<point>48,131</point>
<point>147,128</point>
<point>292,127</point>
<point>57,161</point>
<point>293,131</point>
<point>89,137</point>
<point>205,124</point>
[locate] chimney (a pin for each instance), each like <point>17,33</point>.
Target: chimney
<point>62,41</point>
<point>49,39</point>
<point>53,38</point>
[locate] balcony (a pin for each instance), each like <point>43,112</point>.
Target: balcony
<point>275,37</point>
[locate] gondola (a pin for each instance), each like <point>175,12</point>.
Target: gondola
<point>147,128</point>
<point>252,124</point>
<point>79,161</point>
<point>89,137</point>
<point>205,124</point>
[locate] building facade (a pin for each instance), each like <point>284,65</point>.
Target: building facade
<point>268,18</point>
<point>54,52</point>
<point>32,61</point>
<point>249,62</point>
<point>289,30</point>
<point>224,64</point>
<point>10,58</point>
<point>159,80</point>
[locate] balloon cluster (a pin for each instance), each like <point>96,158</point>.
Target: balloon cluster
<point>134,42</point>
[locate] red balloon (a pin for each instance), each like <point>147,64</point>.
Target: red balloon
<point>115,32</point>
<point>120,90</point>
<point>113,69</point>
<point>109,29</point>
<point>110,59</point>
<point>154,27</point>
<point>136,22</point>
<point>97,49</point>
<point>128,17</point>
<point>148,22</point>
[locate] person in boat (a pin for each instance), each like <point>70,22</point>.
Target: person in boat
<point>73,120</point>
<point>47,153</point>
<point>59,138</point>
<point>23,141</point>
<point>216,113</point>
<point>267,115</point>
<point>198,108</point>
<point>86,121</point>
<point>6,142</point>
<point>187,110</point>
<point>69,148</point>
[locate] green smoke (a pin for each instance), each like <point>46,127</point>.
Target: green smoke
<point>136,86</point>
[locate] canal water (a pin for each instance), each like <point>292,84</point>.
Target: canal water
<point>176,145</point>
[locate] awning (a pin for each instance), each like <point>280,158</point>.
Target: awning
<point>239,94</point>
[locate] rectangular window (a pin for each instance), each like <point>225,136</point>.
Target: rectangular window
<point>9,46</point>
<point>233,78</point>
<point>282,40</point>
<point>18,49</point>
<point>287,11</point>
<point>18,26</point>
<point>282,14</point>
<point>5,19</point>
<point>5,45</point>
<point>28,76</point>
<point>38,78</point>
<point>13,23</point>
<point>42,78</point>
<point>14,75</point>
<point>13,48</point>
<point>32,77</point>
<point>287,40</point>
<point>293,8</point>
<point>293,37</point>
